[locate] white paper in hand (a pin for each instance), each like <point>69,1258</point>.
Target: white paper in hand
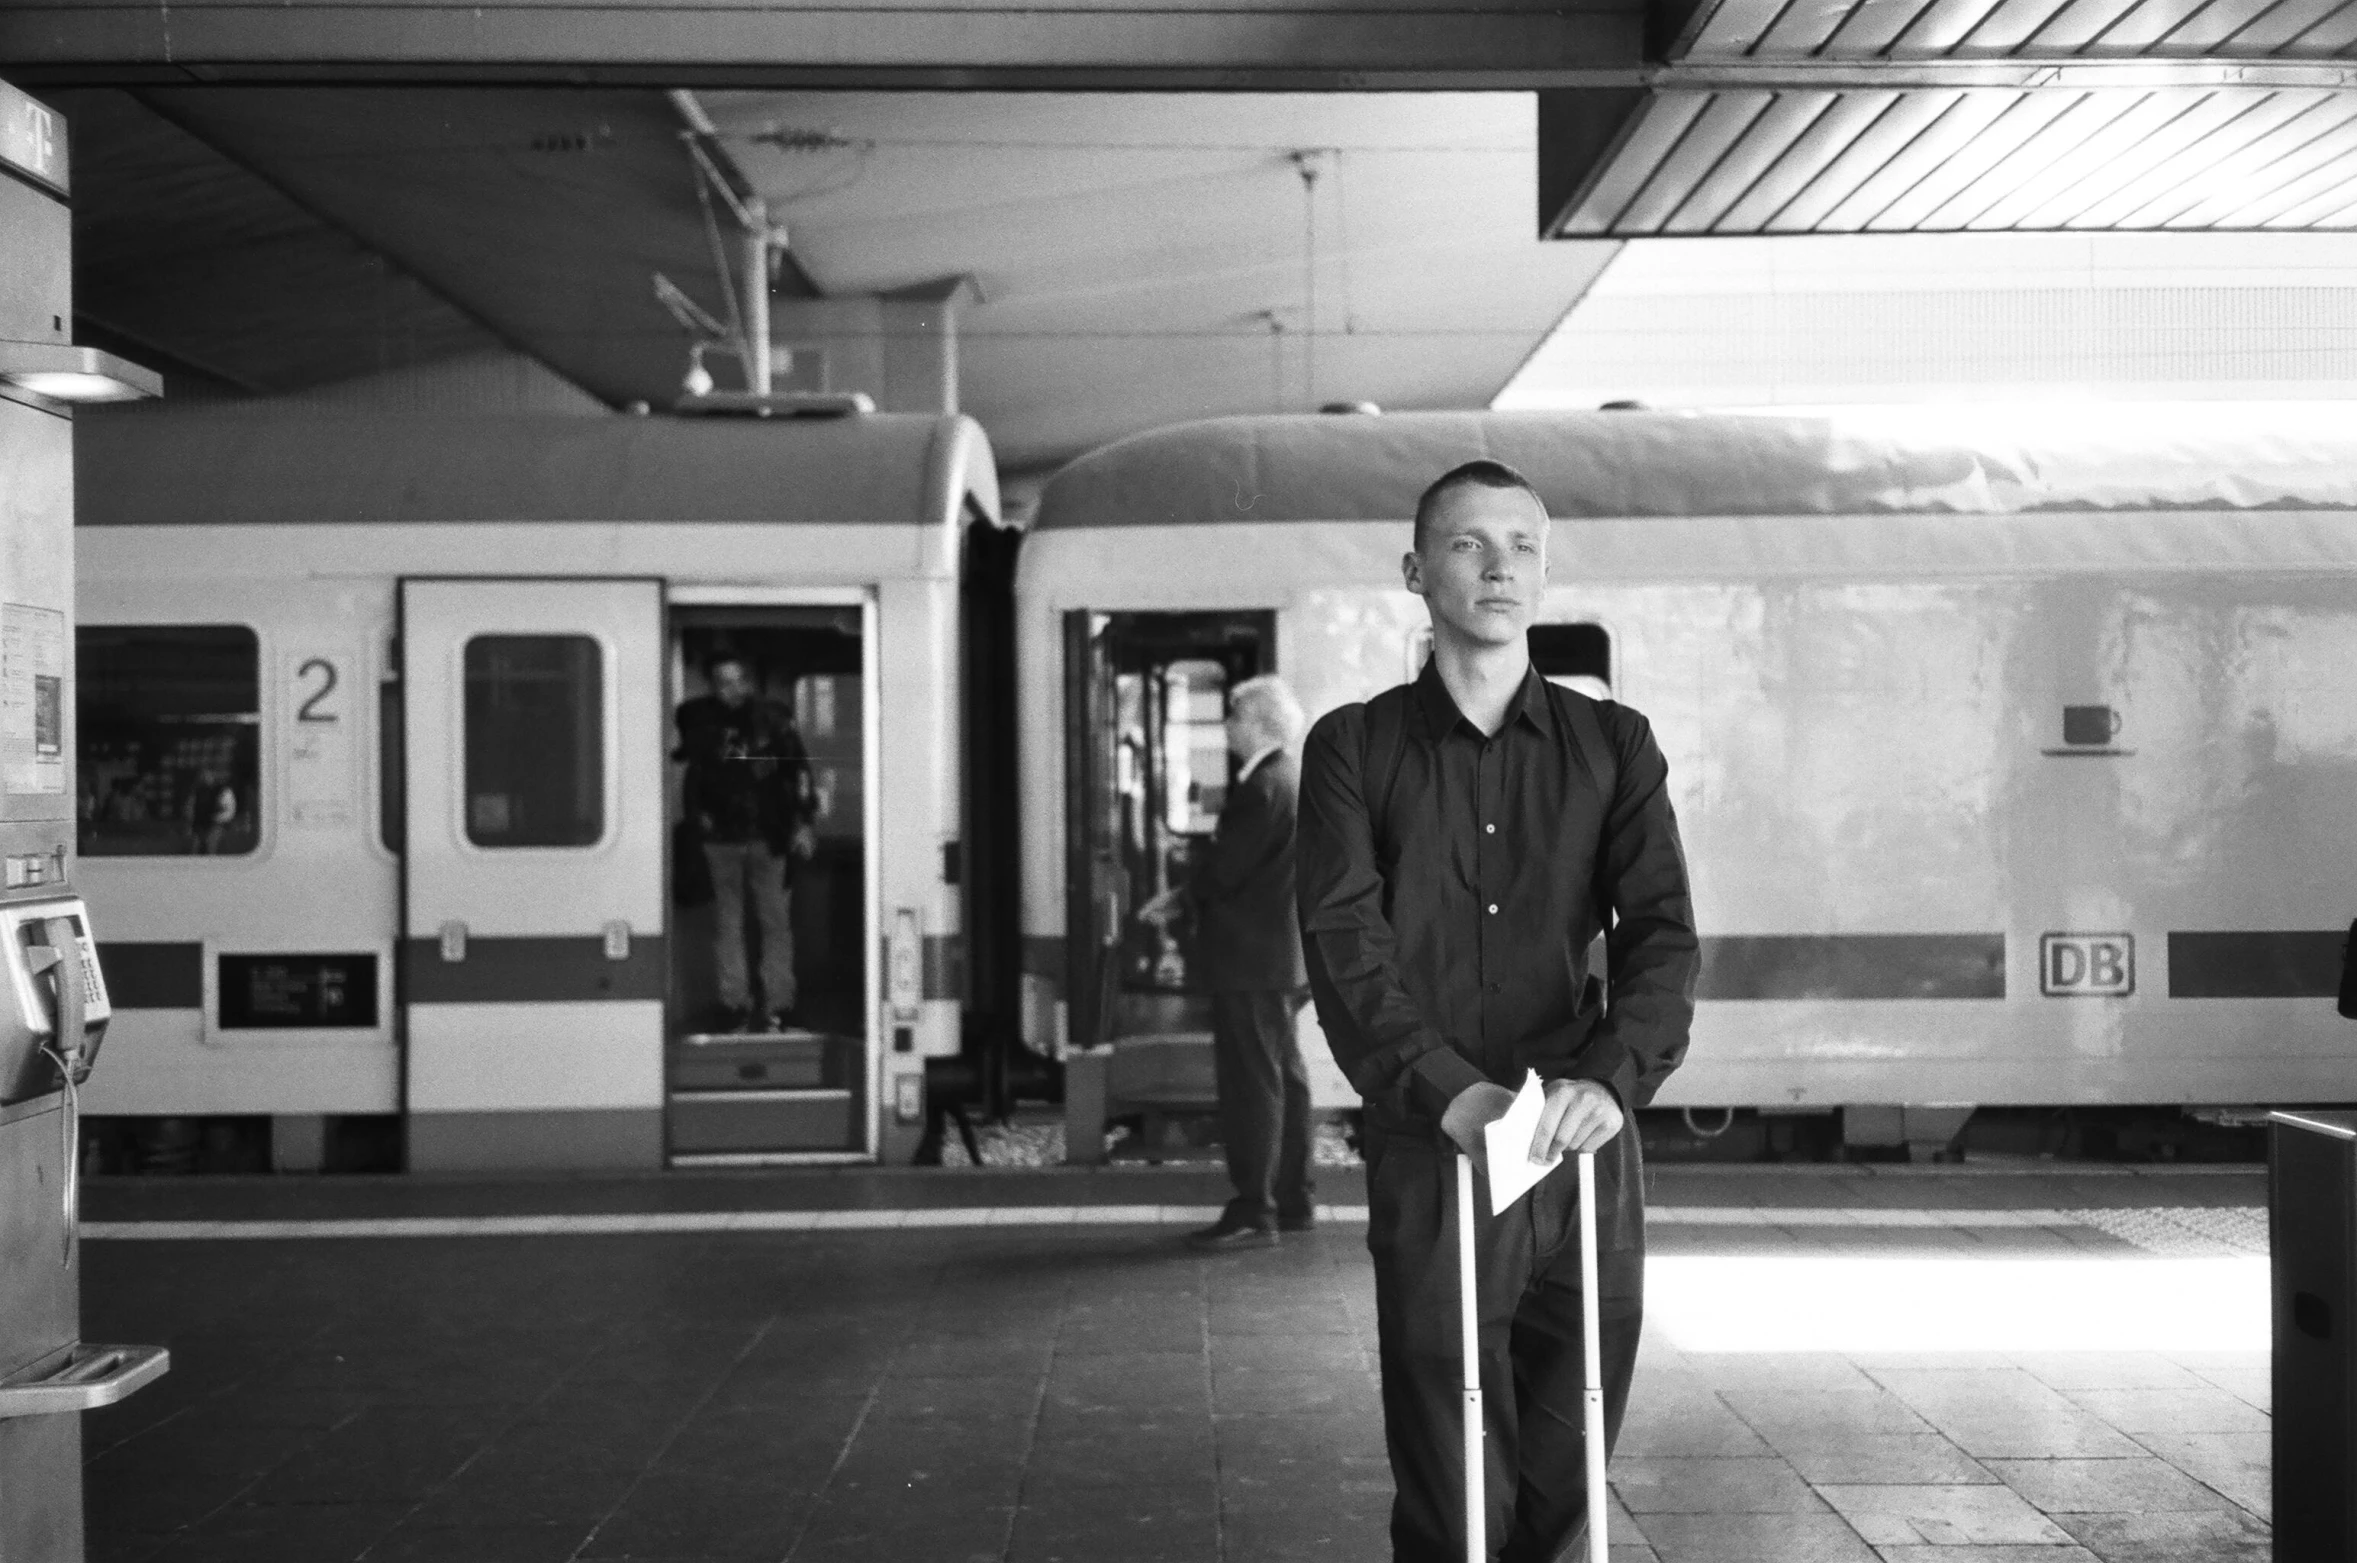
<point>1512,1173</point>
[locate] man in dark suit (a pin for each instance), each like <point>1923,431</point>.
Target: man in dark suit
<point>1248,953</point>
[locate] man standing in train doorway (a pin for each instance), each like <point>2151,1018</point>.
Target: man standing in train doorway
<point>1463,840</point>
<point>748,796</point>
<point>1248,954</point>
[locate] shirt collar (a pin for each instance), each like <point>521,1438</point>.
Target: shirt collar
<point>1258,755</point>
<point>1530,705</point>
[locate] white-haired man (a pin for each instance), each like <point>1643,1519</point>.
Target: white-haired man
<point>1248,954</point>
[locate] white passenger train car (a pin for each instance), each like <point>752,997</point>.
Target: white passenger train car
<point>2009,774</point>
<point>380,801</point>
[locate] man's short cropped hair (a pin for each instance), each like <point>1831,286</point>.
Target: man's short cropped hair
<point>1472,474</point>
<point>1266,706</point>
<point>720,659</point>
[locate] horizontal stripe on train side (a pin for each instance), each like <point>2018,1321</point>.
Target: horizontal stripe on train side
<point>169,974</point>
<point>2291,964</point>
<point>533,970</point>
<point>1853,966</point>
<point>165,974</point>
<point>945,966</point>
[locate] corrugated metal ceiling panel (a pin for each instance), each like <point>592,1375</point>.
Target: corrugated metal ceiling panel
<point>2008,25</point>
<point>2163,166</point>
<point>2078,25</point>
<point>2024,116</point>
<point>2149,24</point>
<point>1852,30</point>
<point>2335,35</point>
<point>1872,28</point>
<point>2041,163</point>
<point>1804,26</point>
<point>2279,29</point>
<point>1725,120</point>
<point>1980,159</point>
<point>1787,116</point>
<point>1877,144</point>
<point>1969,117</point>
<point>1839,116</point>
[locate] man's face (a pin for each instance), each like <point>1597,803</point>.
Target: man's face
<point>1243,733</point>
<point>732,683</point>
<point>1482,569</point>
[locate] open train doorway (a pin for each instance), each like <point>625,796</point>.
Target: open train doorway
<point>1153,769</point>
<point>770,1056</point>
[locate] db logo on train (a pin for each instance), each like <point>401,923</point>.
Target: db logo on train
<point>2087,965</point>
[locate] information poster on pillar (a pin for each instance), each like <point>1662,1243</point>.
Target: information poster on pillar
<point>32,699</point>
<point>319,758</point>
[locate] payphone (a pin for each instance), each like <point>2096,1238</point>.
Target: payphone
<point>53,1001</point>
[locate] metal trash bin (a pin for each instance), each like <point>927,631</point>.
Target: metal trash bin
<point>2312,1238</point>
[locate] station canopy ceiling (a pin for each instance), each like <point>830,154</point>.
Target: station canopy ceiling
<point>1127,260</point>
<point>1915,116</point>
<point>1150,212</point>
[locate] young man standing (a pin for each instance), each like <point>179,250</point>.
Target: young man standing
<point>1462,840</point>
<point>748,794</point>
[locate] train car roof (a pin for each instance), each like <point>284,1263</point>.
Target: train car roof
<point>1629,464</point>
<point>243,464</point>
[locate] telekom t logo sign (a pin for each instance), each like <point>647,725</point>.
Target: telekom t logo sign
<point>2087,965</point>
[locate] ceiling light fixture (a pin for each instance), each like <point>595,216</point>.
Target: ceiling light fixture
<point>698,380</point>
<point>61,373</point>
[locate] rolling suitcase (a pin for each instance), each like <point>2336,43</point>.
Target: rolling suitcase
<point>1591,1382</point>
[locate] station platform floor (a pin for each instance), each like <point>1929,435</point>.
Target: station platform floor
<point>1920,1365</point>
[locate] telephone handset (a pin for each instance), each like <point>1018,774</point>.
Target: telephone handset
<point>61,1001</point>
<point>56,977</point>
<point>73,1050</point>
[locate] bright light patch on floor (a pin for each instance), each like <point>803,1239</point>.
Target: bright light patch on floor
<point>1761,1303</point>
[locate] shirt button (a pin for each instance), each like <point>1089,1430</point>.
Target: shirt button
<point>1493,909</point>
<point>1492,829</point>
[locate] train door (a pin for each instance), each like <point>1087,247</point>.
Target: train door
<point>772,1050</point>
<point>533,915</point>
<point>1148,703</point>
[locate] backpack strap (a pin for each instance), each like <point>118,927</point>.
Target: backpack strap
<point>1386,745</point>
<point>1587,736</point>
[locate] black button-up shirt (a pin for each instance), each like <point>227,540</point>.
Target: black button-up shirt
<point>1448,940</point>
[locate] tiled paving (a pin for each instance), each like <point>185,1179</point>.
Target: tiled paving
<point>1020,1392</point>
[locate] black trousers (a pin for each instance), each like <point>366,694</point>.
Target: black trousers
<point>1528,1269</point>
<point>1263,1102</point>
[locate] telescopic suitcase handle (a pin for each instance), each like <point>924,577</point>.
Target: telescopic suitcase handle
<point>1591,1366</point>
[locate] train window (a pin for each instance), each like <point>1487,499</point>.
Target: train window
<point>1577,656</point>
<point>535,741</point>
<point>1194,700</point>
<point>170,719</point>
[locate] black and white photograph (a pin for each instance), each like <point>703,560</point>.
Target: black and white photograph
<point>1178,781</point>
